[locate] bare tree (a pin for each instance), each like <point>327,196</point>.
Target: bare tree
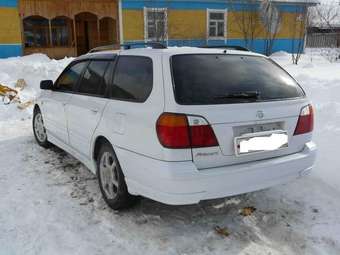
<point>299,30</point>
<point>247,22</point>
<point>327,15</point>
<point>271,18</point>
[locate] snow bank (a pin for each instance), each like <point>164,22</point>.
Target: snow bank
<point>32,69</point>
<point>320,78</point>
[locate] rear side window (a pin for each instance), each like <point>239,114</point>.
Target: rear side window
<point>93,81</point>
<point>69,78</point>
<point>133,78</point>
<point>223,79</point>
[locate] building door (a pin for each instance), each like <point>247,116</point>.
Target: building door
<point>87,32</point>
<point>108,31</point>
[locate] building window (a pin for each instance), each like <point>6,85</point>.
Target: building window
<point>155,24</point>
<point>108,31</point>
<point>217,23</point>
<point>62,32</point>
<point>36,32</point>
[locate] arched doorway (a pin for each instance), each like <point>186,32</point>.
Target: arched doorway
<point>108,31</point>
<point>87,32</point>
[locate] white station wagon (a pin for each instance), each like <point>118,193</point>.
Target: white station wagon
<point>178,125</point>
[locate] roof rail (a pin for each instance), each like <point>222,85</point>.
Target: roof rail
<point>104,48</point>
<point>227,47</point>
<point>153,45</point>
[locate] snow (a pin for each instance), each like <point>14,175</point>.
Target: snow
<point>51,204</point>
<point>32,69</point>
<point>321,81</point>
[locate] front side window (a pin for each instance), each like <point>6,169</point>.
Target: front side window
<point>230,79</point>
<point>216,23</point>
<point>155,24</point>
<point>69,78</point>
<point>133,79</point>
<point>93,81</point>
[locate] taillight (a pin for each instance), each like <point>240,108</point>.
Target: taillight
<point>306,121</point>
<point>172,130</point>
<point>201,133</point>
<point>178,131</point>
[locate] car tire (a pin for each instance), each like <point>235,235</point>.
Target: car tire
<point>39,129</point>
<point>111,179</point>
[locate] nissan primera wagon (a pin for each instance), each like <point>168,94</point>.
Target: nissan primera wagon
<point>178,125</point>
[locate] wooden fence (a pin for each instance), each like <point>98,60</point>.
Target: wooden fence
<point>323,40</point>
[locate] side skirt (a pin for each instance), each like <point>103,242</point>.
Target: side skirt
<point>90,164</point>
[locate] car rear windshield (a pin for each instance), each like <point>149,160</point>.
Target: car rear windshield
<point>227,79</point>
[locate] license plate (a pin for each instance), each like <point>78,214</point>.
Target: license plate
<point>260,142</point>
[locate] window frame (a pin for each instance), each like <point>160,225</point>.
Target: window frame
<point>225,22</point>
<point>146,23</point>
<point>111,86</point>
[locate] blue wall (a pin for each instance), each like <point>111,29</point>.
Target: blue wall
<point>8,3</point>
<point>203,4</point>
<point>13,49</point>
<point>10,50</point>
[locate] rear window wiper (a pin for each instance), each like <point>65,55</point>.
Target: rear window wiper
<point>241,95</point>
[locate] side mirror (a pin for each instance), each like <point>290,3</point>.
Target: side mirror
<point>46,85</point>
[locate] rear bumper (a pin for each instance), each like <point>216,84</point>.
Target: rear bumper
<point>180,183</point>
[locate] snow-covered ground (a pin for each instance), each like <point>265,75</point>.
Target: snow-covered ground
<point>51,204</point>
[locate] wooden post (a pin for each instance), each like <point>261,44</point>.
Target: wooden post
<point>120,23</point>
<point>22,32</point>
<point>98,29</point>
<point>50,32</point>
<point>75,36</point>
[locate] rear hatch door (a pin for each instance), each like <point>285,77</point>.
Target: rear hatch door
<point>238,95</point>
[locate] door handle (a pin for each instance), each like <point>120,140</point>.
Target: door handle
<point>94,111</point>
